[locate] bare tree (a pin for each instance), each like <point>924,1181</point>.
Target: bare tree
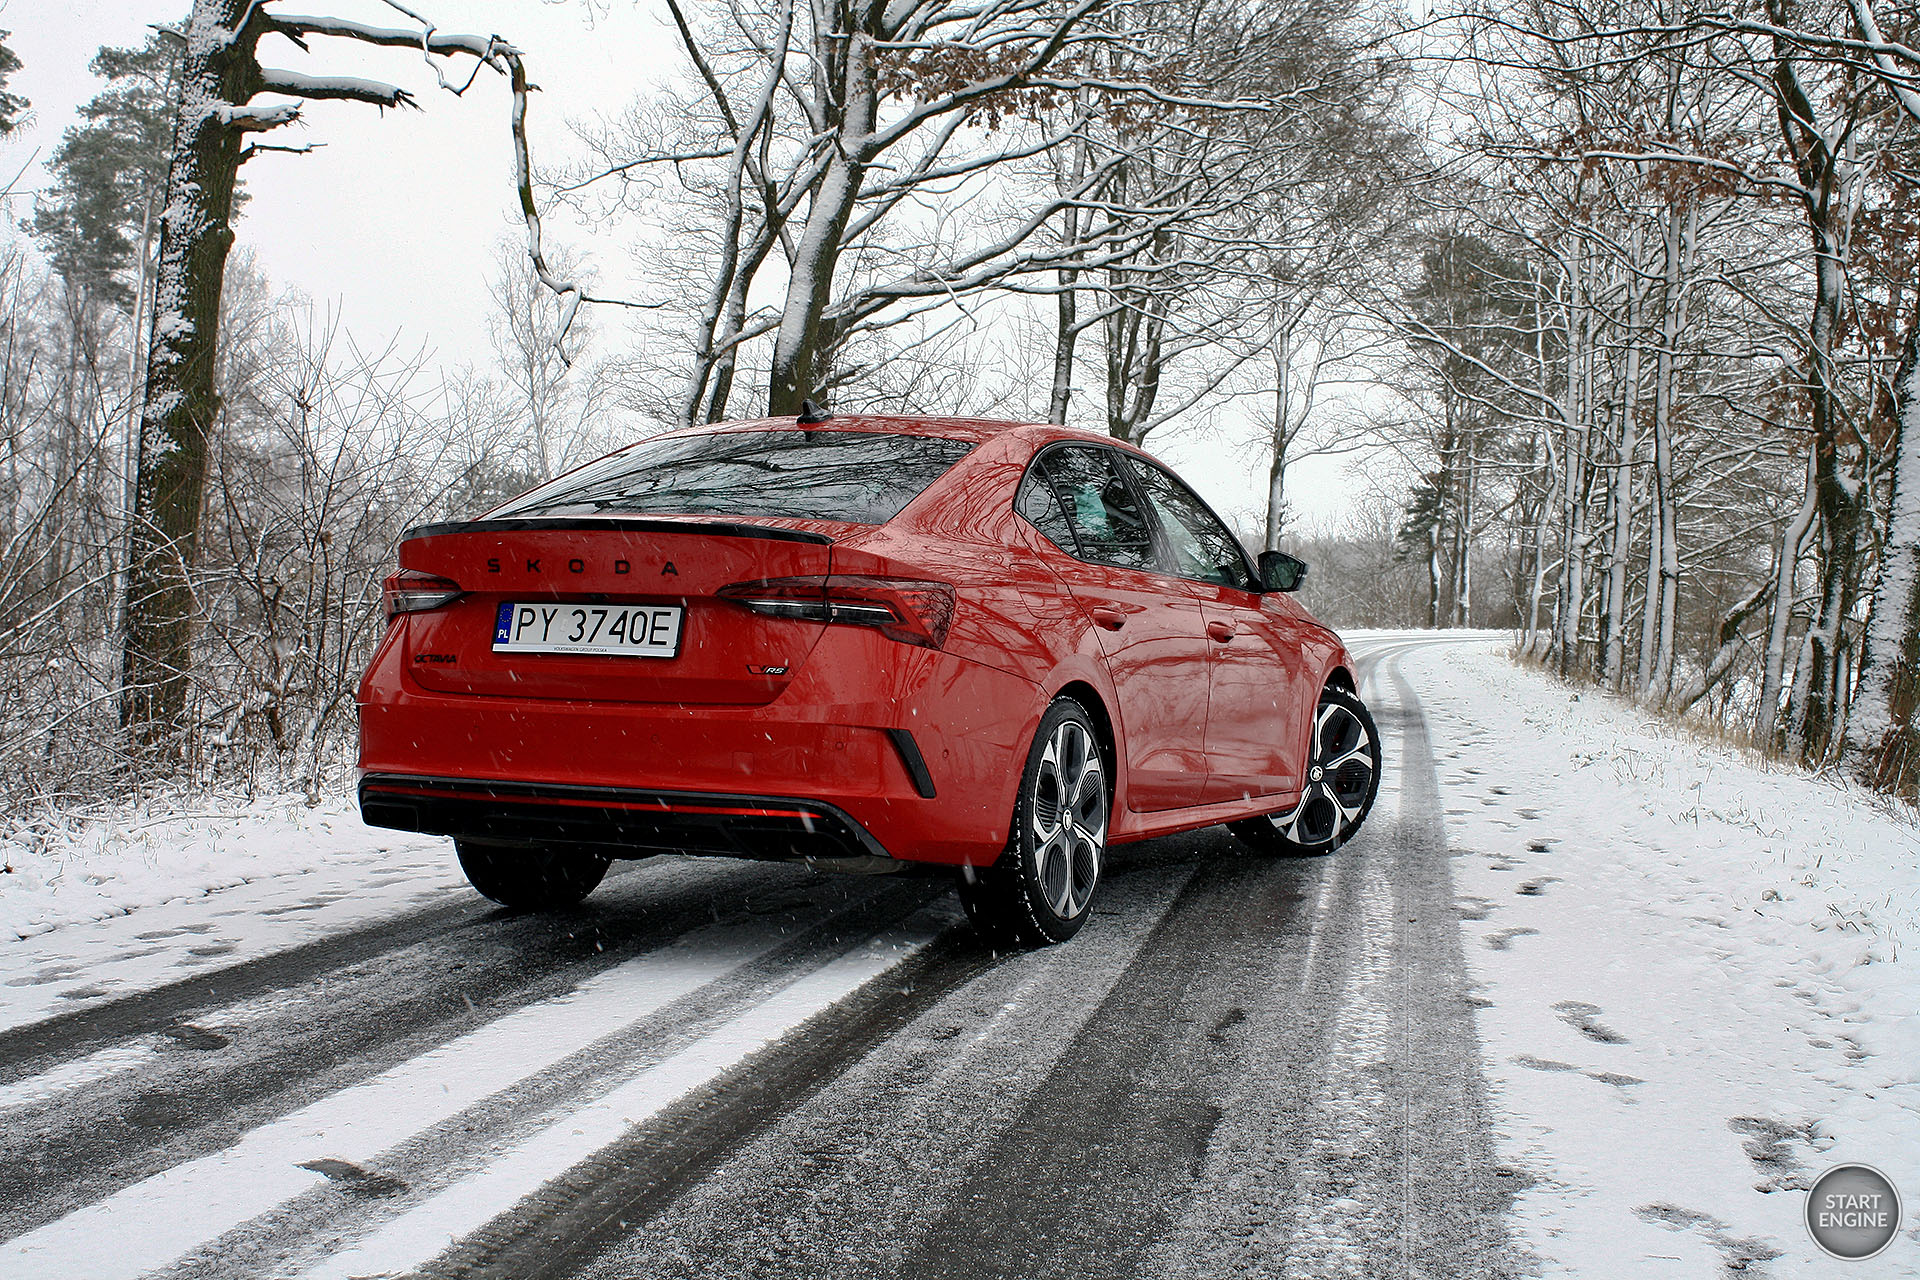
<point>217,127</point>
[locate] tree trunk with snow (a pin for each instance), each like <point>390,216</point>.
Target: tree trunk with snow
<point>180,400</point>
<point>804,347</point>
<point>1830,176</point>
<point>1573,539</point>
<point>1613,659</point>
<point>1819,709</point>
<point>1663,554</point>
<point>1883,734</point>
<point>1786,570</point>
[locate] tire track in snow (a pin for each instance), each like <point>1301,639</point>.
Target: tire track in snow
<point>1104,1155</point>
<point>294,1047</point>
<point>507,1183</point>
<point>1396,1175</point>
<point>852,1180</point>
<point>303,1232</point>
<point>188,1205</point>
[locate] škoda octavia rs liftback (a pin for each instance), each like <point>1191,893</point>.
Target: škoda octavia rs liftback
<point>858,641</point>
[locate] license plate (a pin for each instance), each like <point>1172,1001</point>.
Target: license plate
<point>625,630</point>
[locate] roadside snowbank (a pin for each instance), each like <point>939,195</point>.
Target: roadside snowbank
<point>1701,977</point>
<point>214,886</point>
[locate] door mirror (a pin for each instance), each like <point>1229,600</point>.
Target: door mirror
<point>1281,572</point>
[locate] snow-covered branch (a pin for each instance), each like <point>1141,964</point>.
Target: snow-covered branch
<point>344,88</point>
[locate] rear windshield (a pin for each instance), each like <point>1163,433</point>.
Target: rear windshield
<point>860,476</point>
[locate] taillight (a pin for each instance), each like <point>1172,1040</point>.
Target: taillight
<point>904,609</point>
<point>411,591</point>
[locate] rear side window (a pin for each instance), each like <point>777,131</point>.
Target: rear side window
<point>860,476</point>
<point>1041,506</point>
<point>1101,507</point>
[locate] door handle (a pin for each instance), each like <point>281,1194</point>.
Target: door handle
<point>1221,631</point>
<point>1111,619</point>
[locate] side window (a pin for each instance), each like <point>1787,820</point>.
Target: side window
<point>1041,506</point>
<point>1101,508</point>
<point>1202,546</point>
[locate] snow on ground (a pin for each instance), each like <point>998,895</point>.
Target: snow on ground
<point>1701,977</point>
<point>100,907</point>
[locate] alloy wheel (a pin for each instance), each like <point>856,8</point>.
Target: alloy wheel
<point>1069,817</point>
<point>1339,779</point>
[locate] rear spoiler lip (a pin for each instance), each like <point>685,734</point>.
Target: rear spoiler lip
<point>711,528</point>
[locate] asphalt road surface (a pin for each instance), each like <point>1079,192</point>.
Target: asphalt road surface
<point>1242,1066</point>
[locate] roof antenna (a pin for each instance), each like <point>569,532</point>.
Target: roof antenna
<point>811,413</point>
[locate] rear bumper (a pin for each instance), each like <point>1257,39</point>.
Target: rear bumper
<point>910,752</point>
<point>634,821</point>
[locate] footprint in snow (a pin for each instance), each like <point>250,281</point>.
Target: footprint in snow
<point>1541,1064</point>
<point>1768,1147</point>
<point>1736,1253</point>
<point>58,973</point>
<point>1581,1017</point>
<point>1502,939</point>
<point>1473,908</point>
<point>1672,1215</point>
<point>1535,887</point>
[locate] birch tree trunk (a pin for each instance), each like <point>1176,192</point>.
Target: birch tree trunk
<point>1574,538</point>
<point>1766,716</point>
<point>1663,555</point>
<point>1614,655</point>
<point>1882,736</point>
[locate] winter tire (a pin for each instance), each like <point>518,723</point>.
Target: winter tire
<point>1343,775</point>
<point>1042,888</point>
<point>527,878</point>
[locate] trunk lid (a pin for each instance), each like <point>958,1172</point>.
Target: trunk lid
<point>726,654</point>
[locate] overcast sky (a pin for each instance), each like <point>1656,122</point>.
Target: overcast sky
<point>393,219</point>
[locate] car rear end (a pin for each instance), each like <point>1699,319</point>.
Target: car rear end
<point>755,670</point>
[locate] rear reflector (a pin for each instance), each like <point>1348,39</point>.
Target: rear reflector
<point>905,609</point>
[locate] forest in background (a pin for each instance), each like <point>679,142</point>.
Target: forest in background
<point>1618,302</point>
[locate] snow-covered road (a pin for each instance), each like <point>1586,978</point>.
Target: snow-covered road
<point>1542,1015</point>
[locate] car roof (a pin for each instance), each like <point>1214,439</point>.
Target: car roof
<point>976,430</point>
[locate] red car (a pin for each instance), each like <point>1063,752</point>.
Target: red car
<point>861,642</point>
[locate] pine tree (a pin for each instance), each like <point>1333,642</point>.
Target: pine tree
<point>12,105</point>
<point>108,170</point>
